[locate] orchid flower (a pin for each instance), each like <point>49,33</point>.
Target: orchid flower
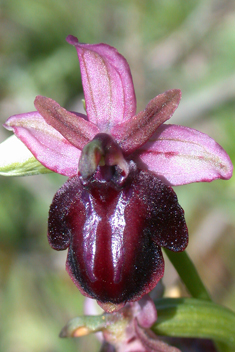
<point>117,208</point>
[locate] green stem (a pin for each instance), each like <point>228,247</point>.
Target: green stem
<point>193,283</point>
<point>188,274</point>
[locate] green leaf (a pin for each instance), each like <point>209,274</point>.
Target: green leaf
<point>189,275</point>
<point>17,160</point>
<point>189,317</point>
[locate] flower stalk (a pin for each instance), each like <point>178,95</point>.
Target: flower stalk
<point>190,277</point>
<point>188,274</point>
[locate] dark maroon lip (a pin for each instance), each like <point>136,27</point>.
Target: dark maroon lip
<point>114,233</point>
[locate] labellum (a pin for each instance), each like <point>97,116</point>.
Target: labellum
<point>114,220</point>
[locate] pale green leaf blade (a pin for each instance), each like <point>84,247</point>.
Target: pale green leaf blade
<point>194,318</point>
<point>17,160</point>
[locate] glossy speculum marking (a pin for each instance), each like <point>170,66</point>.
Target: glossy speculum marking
<point>114,233</point>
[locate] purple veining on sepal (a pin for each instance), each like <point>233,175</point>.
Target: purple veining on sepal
<point>180,155</point>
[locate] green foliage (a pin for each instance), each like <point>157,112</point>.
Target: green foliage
<point>188,317</point>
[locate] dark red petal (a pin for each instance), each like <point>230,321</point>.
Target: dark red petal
<point>135,132</point>
<point>73,127</point>
<point>114,254</point>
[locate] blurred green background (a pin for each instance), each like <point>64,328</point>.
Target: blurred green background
<point>169,44</point>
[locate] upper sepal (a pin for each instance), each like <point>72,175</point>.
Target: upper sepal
<point>180,155</point>
<point>107,84</point>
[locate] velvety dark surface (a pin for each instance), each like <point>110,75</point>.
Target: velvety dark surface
<point>114,233</point>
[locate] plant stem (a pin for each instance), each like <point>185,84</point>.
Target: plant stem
<point>188,274</point>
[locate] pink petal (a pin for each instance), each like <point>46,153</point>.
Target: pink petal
<point>72,126</point>
<point>47,145</point>
<point>181,155</point>
<point>107,83</point>
<point>132,134</point>
<point>147,313</point>
<point>150,341</point>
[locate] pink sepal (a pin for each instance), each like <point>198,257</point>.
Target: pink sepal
<point>73,126</point>
<point>181,155</point>
<point>107,84</point>
<point>147,313</point>
<point>45,143</point>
